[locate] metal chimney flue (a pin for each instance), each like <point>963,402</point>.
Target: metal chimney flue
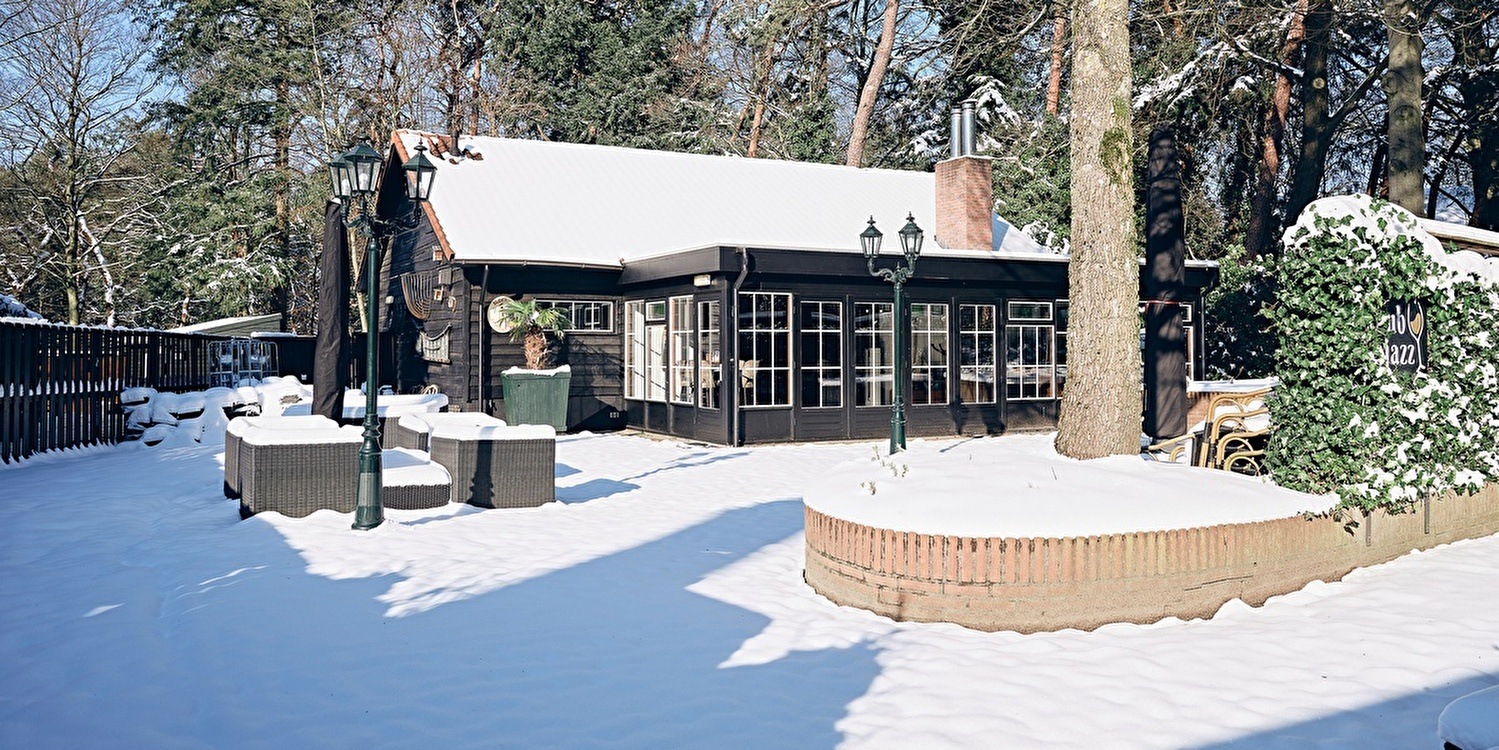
<point>969,126</point>
<point>955,138</point>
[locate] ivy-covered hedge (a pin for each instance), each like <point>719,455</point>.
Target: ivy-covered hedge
<point>1345,421</point>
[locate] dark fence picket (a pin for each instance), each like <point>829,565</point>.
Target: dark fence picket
<point>60,385</point>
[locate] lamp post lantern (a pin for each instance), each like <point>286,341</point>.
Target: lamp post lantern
<point>910,246</point>
<point>355,176</point>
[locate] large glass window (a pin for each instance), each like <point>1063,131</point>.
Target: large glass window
<point>928,353</point>
<point>874,353</point>
<point>635,349</point>
<point>710,366</point>
<point>683,349</point>
<point>1030,367</point>
<point>584,316</point>
<point>645,350</point>
<point>976,363</point>
<point>822,354</point>
<point>765,349</point>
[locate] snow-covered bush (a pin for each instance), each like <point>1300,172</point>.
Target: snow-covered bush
<point>1345,421</point>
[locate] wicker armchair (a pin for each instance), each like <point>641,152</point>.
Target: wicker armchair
<point>239,425</point>
<point>495,466</point>
<point>1232,437</point>
<point>298,471</point>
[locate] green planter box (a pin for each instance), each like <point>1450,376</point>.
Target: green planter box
<point>538,397</point>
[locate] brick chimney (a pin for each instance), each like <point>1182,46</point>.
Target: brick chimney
<point>965,193</point>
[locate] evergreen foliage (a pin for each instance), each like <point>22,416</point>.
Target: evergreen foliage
<point>1345,421</point>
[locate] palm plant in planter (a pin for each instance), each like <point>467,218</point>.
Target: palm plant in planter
<point>534,395</point>
<point>531,325</point>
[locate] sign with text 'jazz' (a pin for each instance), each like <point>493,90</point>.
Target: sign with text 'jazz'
<point>1405,343</point>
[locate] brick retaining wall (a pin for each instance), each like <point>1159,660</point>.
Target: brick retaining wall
<point>1036,584</point>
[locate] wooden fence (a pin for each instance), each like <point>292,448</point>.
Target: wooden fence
<point>60,385</point>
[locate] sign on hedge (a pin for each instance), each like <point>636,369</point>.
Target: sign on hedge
<point>1388,359</point>
<point>1405,344</point>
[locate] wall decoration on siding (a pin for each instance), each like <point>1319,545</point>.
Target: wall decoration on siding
<point>434,348</point>
<point>495,314</point>
<point>418,289</point>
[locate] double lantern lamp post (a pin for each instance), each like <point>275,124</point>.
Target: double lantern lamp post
<point>355,175</point>
<point>910,247</point>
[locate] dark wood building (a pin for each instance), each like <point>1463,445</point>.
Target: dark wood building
<point>726,299</point>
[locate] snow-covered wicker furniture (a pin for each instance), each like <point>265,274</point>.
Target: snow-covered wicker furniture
<point>298,471</point>
<point>239,425</point>
<point>410,480</point>
<point>497,466</point>
<point>413,430</point>
<point>389,407</point>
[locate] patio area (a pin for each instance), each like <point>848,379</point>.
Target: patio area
<point>659,603</point>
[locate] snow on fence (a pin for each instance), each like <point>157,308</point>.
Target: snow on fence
<point>60,385</point>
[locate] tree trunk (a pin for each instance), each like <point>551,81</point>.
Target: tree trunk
<point>762,93</point>
<point>1100,413</point>
<point>1058,45</point>
<point>1316,125</point>
<point>1479,91</point>
<point>872,85</point>
<point>1407,146</point>
<point>1257,240</point>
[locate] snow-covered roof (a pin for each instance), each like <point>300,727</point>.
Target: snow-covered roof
<point>570,204</point>
<point>241,324</point>
<point>10,307</point>
<point>1474,238</point>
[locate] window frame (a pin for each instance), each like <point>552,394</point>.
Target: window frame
<point>710,356</point>
<point>775,370</point>
<point>1041,328</point>
<point>573,304</point>
<point>975,336</point>
<point>821,333</point>
<point>932,371</point>
<point>873,334</point>
<point>681,373</point>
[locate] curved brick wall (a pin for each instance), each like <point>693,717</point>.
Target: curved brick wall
<point>1039,584</point>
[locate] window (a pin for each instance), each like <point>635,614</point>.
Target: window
<point>874,347</point>
<point>683,349</point>
<point>765,349</point>
<point>1040,311</point>
<point>976,365</point>
<point>1188,330</point>
<point>710,367</point>
<point>1063,312</point>
<point>635,349</point>
<point>928,353</point>
<point>822,354</point>
<point>1030,367</point>
<point>645,352</point>
<point>584,316</point>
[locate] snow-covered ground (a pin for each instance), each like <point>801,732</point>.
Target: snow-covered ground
<point>658,605</point>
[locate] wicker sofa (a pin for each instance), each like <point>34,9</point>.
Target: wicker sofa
<point>297,471</point>
<point>239,425</point>
<point>389,409</point>
<point>492,465</point>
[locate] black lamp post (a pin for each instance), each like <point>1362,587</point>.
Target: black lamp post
<point>355,175</point>
<point>910,247</point>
